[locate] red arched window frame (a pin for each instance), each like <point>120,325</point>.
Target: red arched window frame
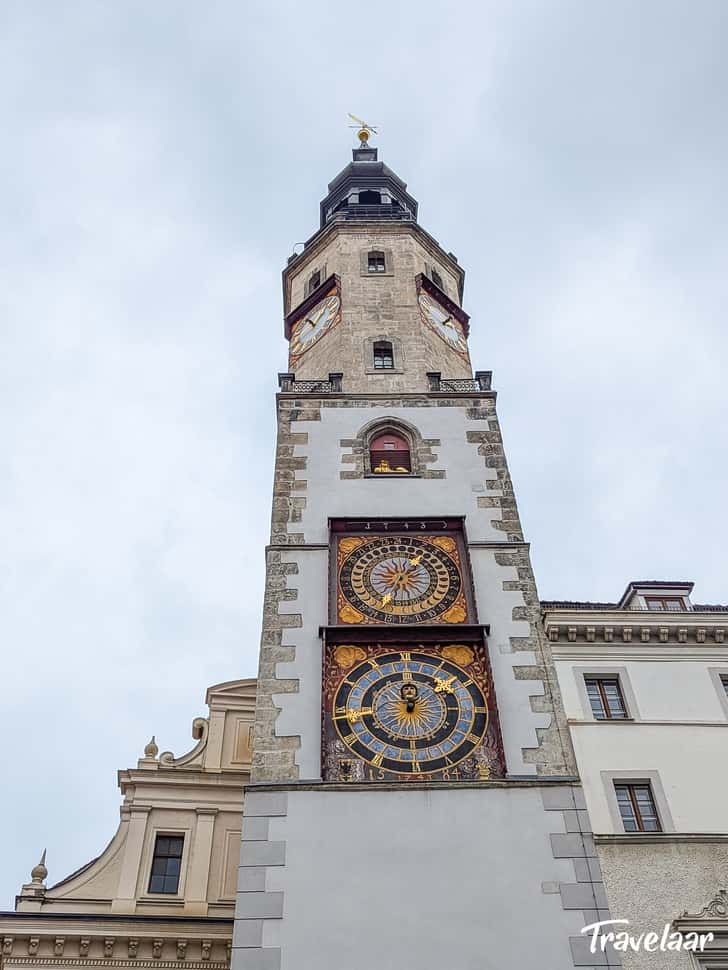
<point>389,454</point>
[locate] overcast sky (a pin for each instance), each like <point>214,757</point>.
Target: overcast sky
<point>159,162</point>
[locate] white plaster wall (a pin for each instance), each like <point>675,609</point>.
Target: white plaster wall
<point>690,760</point>
<point>329,496</point>
<point>432,880</point>
<point>665,689</point>
<point>680,731</point>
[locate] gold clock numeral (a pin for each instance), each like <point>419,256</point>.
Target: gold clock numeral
<point>406,656</point>
<point>406,675</point>
<point>377,760</point>
<point>416,768</point>
<point>413,745</point>
<point>480,710</point>
<point>473,737</point>
<point>350,739</point>
<point>466,683</point>
<point>373,662</point>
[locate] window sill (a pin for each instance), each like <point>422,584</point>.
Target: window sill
<point>384,371</point>
<point>388,476</point>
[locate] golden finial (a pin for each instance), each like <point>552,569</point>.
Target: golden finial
<point>364,129</point>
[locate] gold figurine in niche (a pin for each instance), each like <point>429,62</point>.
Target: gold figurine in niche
<point>384,468</point>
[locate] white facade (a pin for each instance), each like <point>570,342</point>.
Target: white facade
<point>671,665</point>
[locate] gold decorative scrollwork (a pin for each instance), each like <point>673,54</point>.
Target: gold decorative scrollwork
<point>350,544</point>
<point>348,614</point>
<point>347,656</point>
<point>445,543</point>
<point>460,654</point>
<point>456,614</point>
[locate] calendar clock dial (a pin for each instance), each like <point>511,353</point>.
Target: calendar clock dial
<point>443,323</point>
<point>400,579</point>
<point>314,324</point>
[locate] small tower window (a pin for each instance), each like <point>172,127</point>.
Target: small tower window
<point>390,455</point>
<point>376,262</point>
<point>314,281</point>
<point>370,198</point>
<point>437,279</point>
<point>383,355</point>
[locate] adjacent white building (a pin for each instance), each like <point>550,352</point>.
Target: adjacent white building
<point>644,683</point>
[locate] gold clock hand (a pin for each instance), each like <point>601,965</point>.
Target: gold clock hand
<point>444,685</point>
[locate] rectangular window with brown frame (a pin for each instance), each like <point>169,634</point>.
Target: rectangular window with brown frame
<point>637,806</point>
<point>605,698</point>
<point>669,604</point>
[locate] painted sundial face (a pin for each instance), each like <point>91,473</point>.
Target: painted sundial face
<point>410,712</point>
<point>443,323</point>
<point>400,579</point>
<point>314,324</point>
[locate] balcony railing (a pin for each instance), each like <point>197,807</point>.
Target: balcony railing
<point>460,385</point>
<point>333,385</point>
<point>289,385</point>
<point>354,211</point>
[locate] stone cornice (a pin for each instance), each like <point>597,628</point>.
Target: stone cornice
<point>635,626</point>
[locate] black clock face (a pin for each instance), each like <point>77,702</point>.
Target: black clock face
<point>401,579</point>
<point>410,712</point>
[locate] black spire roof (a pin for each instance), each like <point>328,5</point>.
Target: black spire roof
<point>367,189</point>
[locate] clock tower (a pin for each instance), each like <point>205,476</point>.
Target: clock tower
<point>413,801</point>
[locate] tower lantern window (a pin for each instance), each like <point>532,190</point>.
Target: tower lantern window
<point>376,262</point>
<point>369,197</point>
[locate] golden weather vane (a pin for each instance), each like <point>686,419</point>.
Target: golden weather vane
<point>364,129</point>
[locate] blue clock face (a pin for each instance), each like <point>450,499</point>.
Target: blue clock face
<point>314,324</point>
<point>410,713</point>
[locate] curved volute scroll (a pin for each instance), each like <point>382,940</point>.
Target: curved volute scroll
<point>193,758</point>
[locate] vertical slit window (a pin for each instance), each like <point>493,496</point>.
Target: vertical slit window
<point>637,807</point>
<point>166,864</point>
<point>437,280</point>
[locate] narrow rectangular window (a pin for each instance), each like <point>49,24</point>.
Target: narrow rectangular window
<point>166,864</point>
<point>637,807</point>
<point>724,682</point>
<point>605,698</point>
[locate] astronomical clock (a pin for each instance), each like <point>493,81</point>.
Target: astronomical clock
<point>407,691</point>
<point>314,318</point>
